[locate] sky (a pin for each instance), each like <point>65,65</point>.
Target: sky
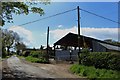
<point>34,34</point>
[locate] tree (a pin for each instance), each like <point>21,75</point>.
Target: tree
<point>41,47</point>
<point>9,38</point>
<point>20,46</point>
<point>10,8</point>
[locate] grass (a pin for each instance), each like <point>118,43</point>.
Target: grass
<point>5,57</point>
<point>36,60</point>
<point>93,73</point>
<point>20,56</point>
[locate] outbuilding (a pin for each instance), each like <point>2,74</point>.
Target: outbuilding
<point>69,45</point>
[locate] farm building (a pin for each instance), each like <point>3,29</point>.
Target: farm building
<point>69,45</point>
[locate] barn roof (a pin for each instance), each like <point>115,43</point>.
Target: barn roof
<point>111,47</point>
<point>71,39</point>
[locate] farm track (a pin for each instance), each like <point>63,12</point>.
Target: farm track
<point>16,68</point>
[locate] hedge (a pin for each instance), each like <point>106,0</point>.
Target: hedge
<point>26,53</point>
<point>36,60</point>
<point>37,54</point>
<point>100,60</point>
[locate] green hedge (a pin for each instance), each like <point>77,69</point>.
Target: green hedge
<point>26,53</point>
<point>100,60</point>
<point>36,60</point>
<point>37,54</point>
<point>37,57</point>
<point>92,73</point>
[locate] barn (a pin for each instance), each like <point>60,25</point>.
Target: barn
<point>67,46</point>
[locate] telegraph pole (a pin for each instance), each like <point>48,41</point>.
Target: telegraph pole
<point>47,55</point>
<point>78,32</point>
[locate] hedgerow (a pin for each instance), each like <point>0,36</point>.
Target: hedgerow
<point>36,60</point>
<point>101,60</point>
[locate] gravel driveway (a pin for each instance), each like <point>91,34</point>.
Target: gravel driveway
<point>21,69</point>
<point>25,70</point>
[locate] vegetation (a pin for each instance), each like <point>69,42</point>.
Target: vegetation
<point>37,54</point>
<point>25,53</point>
<point>100,60</point>
<point>10,8</point>
<point>37,57</point>
<point>36,60</point>
<point>20,46</point>
<point>93,73</point>
<point>9,38</point>
<point>98,65</point>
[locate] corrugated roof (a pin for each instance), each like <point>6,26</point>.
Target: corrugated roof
<point>111,47</point>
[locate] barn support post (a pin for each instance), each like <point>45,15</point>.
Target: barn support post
<point>54,51</point>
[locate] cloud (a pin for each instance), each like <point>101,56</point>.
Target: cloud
<point>98,33</point>
<point>58,33</point>
<point>60,26</point>
<point>101,33</point>
<point>25,34</point>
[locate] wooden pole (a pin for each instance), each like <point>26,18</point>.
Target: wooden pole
<point>78,32</point>
<point>47,56</point>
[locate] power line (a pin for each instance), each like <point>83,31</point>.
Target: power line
<point>48,17</point>
<point>99,16</point>
<point>67,12</point>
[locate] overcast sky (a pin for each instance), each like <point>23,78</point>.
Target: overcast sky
<point>34,35</point>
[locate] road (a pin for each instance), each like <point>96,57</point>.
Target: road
<point>24,70</point>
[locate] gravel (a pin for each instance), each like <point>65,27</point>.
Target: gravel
<point>14,67</point>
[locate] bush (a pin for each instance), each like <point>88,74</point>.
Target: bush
<point>37,54</point>
<point>101,60</point>
<point>93,73</point>
<point>85,50</point>
<point>36,60</point>
<point>26,53</point>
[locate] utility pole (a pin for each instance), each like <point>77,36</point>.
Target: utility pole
<point>78,32</point>
<point>47,55</point>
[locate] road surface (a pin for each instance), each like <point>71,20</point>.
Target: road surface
<point>23,70</point>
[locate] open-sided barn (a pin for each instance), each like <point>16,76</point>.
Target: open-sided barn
<point>71,40</point>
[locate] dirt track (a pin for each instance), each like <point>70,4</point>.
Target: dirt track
<point>23,69</point>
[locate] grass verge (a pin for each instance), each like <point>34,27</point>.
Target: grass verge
<point>36,60</point>
<point>93,73</point>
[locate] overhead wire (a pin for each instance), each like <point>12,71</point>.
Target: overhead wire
<point>99,16</point>
<point>48,17</point>
<point>67,12</point>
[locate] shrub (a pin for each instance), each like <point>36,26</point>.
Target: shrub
<point>26,53</point>
<point>101,60</point>
<point>93,73</point>
<point>85,50</point>
<point>37,54</point>
<point>36,60</point>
